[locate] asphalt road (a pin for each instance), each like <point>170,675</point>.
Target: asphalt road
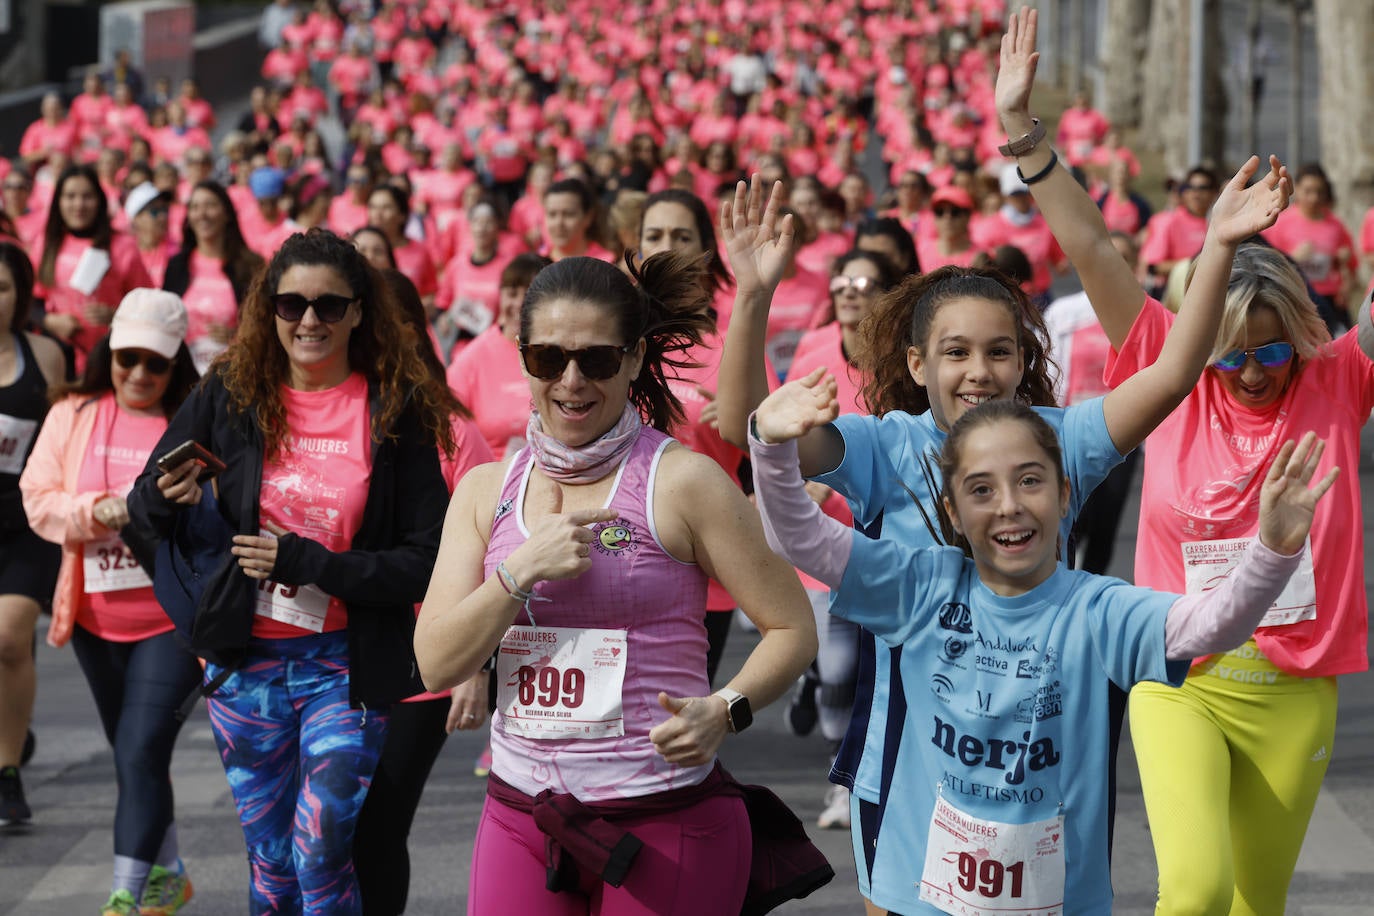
<point>61,864</point>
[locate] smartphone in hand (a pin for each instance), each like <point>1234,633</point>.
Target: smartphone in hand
<point>210,465</point>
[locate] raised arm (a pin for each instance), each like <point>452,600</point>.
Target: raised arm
<point>1135,407</point>
<point>1224,617</point>
<point>792,521</point>
<point>760,248</point>
<point>1076,221</point>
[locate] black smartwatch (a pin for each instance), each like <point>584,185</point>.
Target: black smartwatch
<point>737,711</point>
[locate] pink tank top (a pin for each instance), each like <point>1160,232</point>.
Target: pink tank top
<point>633,585</point>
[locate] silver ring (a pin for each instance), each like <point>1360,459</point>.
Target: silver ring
<point>470,716</point>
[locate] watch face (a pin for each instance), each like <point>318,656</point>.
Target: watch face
<point>741,715</point>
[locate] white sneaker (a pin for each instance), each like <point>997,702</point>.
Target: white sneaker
<point>835,815</point>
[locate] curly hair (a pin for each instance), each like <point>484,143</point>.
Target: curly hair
<point>667,309</point>
<point>902,319</point>
<point>382,347</point>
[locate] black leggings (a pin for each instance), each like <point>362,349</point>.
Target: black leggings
<point>380,857</point>
<point>138,689</point>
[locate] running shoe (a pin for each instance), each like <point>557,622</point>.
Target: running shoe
<point>121,903</point>
<point>800,715</point>
<point>166,892</point>
<point>483,765</point>
<point>835,815</point>
<point>14,810</point>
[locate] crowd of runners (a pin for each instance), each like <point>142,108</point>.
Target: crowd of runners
<point>503,356</point>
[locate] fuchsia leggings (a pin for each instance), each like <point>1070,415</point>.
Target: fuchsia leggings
<point>694,861</point>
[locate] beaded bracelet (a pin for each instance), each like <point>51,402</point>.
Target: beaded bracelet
<point>1043,173</point>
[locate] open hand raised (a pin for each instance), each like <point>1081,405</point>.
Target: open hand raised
<point>1242,211</point>
<point>760,246</point>
<point>798,406</point>
<point>1287,503</point>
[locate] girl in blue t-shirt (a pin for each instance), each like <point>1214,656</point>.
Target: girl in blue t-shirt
<point>1003,775</point>
<point>934,348</point>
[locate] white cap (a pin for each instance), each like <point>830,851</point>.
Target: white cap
<point>1011,182</point>
<point>149,319</point>
<point>139,198</point>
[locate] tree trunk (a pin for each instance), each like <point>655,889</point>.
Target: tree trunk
<point>1214,95</point>
<point>1164,98</point>
<point>1345,33</point>
<point>1122,57</point>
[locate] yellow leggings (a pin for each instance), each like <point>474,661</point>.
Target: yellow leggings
<point>1231,764</point>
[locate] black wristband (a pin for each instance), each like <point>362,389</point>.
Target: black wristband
<point>1043,173</point>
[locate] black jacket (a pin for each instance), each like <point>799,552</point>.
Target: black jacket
<point>379,579</point>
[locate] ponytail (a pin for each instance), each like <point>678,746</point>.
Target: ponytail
<point>667,309</point>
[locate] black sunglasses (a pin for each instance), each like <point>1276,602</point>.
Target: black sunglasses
<point>1199,187</point>
<point>329,308</point>
<point>154,364</point>
<point>547,361</point>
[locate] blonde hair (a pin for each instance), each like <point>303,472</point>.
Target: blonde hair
<point>1264,277</point>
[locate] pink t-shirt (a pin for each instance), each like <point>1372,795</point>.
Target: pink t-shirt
<point>413,260</point>
<point>125,272</point>
<point>928,253</point>
<point>209,300</point>
<point>1322,247</point>
<point>471,293</point>
<point>316,488</point>
<point>155,260</point>
<point>43,138</point>
<point>1035,240</point>
<point>793,312</point>
<point>1205,464</point>
<point>1367,233</point>
<point>1080,347</point>
<point>116,454</point>
<point>1080,129</point>
<point>346,217</point>
<point>700,437</point>
<point>1173,235</point>
<point>486,377</point>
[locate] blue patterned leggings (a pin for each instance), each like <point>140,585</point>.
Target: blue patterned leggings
<point>299,763</point>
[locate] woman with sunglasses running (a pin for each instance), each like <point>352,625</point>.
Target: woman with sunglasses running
<point>583,558</point>
<point>328,426</point>
<point>1231,764</point>
<point>95,441</point>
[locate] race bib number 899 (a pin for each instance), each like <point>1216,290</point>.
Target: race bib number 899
<point>561,682</point>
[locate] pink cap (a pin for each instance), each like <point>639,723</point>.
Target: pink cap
<point>149,319</point>
<point>953,195</point>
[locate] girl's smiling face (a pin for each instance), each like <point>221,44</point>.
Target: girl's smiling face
<point>1007,498</point>
<point>971,355</point>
